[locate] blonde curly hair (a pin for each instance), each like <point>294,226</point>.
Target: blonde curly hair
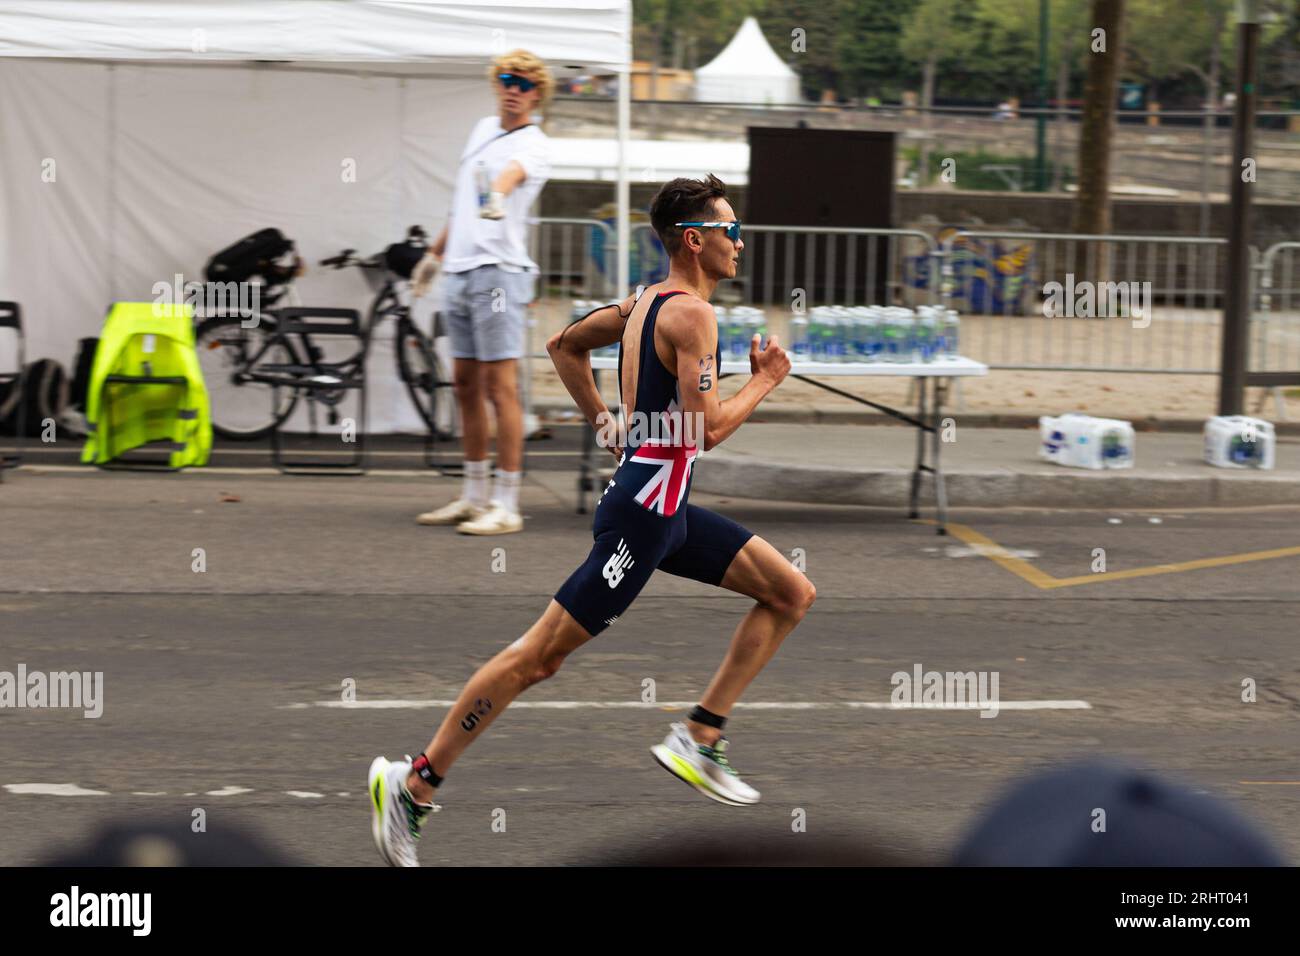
<point>526,64</point>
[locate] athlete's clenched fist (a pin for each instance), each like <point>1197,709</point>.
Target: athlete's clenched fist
<point>772,362</point>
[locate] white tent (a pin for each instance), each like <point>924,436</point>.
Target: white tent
<point>747,71</point>
<point>138,137</point>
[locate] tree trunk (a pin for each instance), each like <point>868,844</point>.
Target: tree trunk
<point>1058,134</point>
<point>927,101</point>
<point>1092,205</point>
<point>1208,120</point>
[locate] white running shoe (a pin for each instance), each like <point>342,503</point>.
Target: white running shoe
<point>704,768</point>
<point>395,818</point>
<point>454,513</point>
<point>496,520</point>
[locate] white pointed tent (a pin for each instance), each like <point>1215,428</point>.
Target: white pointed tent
<point>747,71</point>
<point>137,137</point>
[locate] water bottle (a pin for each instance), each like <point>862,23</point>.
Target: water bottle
<point>817,334</point>
<point>482,183</point>
<point>799,338</point>
<point>925,330</point>
<point>952,333</point>
<point>740,333</point>
<point>843,334</point>
<point>757,326</point>
<point>871,337</point>
<point>892,333</point>
<point>830,326</point>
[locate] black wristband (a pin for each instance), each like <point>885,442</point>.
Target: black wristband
<point>707,718</point>
<point>424,770</point>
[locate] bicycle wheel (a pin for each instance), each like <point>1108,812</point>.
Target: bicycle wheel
<point>241,410</point>
<point>427,379</point>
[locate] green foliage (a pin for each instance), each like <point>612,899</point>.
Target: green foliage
<point>987,49</point>
<point>971,175</point>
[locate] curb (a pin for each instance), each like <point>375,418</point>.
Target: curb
<point>559,410</point>
<point>726,474</point>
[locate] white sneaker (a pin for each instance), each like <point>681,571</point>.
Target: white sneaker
<point>704,768</point>
<point>496,520</point>
<point>395,818</point>
<point>454,513</point>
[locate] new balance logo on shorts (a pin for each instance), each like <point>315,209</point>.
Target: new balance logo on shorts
<point>618,562</point>
<point>611,620</point>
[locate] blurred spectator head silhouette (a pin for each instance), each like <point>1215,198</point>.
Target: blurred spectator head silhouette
<point>1100,813</point>
<point>151,844</point>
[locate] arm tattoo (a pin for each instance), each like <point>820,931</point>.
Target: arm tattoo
<point>706,373</point>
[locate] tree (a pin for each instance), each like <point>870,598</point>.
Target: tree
<point>932,35</point>
<point>1092,205</point>
<point>1068,37</point>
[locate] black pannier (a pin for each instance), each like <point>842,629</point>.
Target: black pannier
<point>253,255</point>
<point>402,257</point>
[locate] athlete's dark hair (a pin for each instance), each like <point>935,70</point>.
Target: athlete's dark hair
<point>683,200</point>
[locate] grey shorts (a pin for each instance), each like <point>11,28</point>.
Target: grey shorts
<point>485,310</point>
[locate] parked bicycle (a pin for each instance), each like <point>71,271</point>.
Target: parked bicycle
<point>245,359</point>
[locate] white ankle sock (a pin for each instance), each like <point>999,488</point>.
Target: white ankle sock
<point>507,490</point>
<point>475,489</point>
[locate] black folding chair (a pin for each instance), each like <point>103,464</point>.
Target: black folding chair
<point>319,381</point>
<point>11,317</point>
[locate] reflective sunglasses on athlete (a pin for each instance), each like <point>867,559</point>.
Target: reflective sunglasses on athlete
<point>733,228</point>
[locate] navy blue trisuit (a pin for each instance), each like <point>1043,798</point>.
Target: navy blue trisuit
<point>643,520</point>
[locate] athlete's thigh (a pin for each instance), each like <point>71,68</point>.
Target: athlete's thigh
<point>710,548</point>
<point>629,543</point>
<point>762,572</point>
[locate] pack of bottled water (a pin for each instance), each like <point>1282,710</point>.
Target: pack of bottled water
<point>1081,441</point>
<point>875,333</point>
<point>1238,441</point>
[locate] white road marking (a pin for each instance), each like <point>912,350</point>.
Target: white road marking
<point>398,704</point>
<point>984,550</point>
<point>148,793</point>
<point>54,790</point>
<point>305,794</point>
<point>228,792</point>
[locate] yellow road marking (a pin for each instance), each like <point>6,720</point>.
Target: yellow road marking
<point>1274,783</point>
<point>990,549</point>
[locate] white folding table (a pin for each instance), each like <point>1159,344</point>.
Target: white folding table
<point>931,377</point>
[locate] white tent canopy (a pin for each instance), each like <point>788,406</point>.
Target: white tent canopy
<point>747,71</point>
<point>138,137</point>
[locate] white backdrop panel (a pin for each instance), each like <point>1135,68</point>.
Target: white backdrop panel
<point>159,166</point>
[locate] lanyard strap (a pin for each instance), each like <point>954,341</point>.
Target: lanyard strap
<point>484,146</point>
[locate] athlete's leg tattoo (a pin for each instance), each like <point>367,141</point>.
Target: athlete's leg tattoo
<point>531,659</point>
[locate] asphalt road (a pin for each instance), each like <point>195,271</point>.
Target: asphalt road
<point>221,686</point>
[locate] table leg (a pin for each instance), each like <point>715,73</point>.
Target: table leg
<point>936,438</point>
<point>914,498</point>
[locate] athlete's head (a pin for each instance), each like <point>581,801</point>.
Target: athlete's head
<point>698,201</point>
<point>511,72</point>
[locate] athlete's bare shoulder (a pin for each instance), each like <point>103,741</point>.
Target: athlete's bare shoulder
<point>687,321</point>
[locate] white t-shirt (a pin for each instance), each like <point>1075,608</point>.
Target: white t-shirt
<point>473,241</point>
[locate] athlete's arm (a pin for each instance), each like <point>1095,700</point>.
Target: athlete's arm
<point>691,328</point>
<point>568,349</point>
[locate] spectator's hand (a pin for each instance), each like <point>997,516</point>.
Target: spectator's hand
<point>495,207</point>
<point>423,273</point>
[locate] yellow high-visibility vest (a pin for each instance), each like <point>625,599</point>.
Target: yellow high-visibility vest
<point>154,344</point>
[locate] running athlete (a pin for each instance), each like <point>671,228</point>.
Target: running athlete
<point>668,365</point>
